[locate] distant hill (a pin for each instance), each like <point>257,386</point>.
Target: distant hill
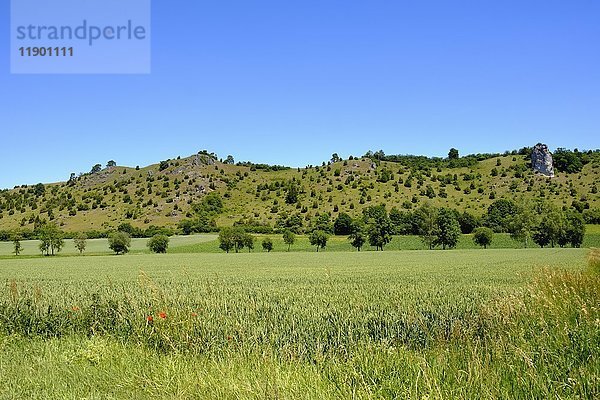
<point>166,193</point>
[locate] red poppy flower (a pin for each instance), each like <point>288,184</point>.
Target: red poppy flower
<point>162,315</point>
<point>75,308</point>
<point>194,314</point>
<point>149,319</point>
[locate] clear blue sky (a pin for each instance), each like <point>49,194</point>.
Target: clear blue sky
<point>291,82</point>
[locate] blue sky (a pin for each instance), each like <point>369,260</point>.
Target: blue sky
<point>290,82</point>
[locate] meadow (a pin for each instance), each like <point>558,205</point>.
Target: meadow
<point>208,243</point>
<point>497,323</point>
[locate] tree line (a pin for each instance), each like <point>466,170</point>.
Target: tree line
<point>541,223</point>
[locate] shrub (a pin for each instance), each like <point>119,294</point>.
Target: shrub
<point>119,242</point>
<point>267,244</point>
<point>158,244</point>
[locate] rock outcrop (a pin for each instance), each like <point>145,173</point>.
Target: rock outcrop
<point>541,160</point>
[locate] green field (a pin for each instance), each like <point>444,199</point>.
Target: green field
<point>411,324</point>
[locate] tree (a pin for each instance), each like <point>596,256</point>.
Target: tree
<point>51,239</point>
<point>80,242</point>
<point>483,237</point>
<point>521,225</point>
<point>289,238</point>
<point>267,244</point>
<point>230,160</point>
<point>426,220</point>
<point>226,239</point>
<point>293,191</point>
<point>453,154</point>
<point>96,168</point>
<point>319,239</point>
<point>119,242</point>
<point>158,244</point>
<point>39,189</point>
<point>322,222</point>
<point>248,241</point>
<point>16,239</point>
<point>211,204</point>
<point>380,228</point>
<point>377,237</point>
<point>575,229</point>
<point>335,158</point>
<point>567,161</point>
<point>235,238</point>
<point>540,236</point>
<point>342,224</point>
<point>551,228</point>
<point>448,229</point>
<point>357,237</point>
<point>111,164</point>
<point>468,222</point>
<point>499,215</point>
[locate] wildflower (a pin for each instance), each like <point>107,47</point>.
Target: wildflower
<point>149,319</point>
<point>229,338</point>
<point>75,308</point>
<point>194,314</point>
<point>162,315</point>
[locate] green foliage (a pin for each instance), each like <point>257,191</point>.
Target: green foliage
<point>289,238</point>
<point>16,239</point>
<point>500,214</point>
<point>291,222</point>
<point>453,154</point>
<point>119,242</point>
<point>267,244</point>
<point>51,239</point>
<point>163,165</point>
<point>236,239</point>
<point>292,192</point>
<point>574,231</point>
<point>483,237</point>
<point>158,244</point>
<point>448,229</point>
<point>80,242</point>
<point>318,239</point>
<point>358,237</point>
<point>322,222</point>
<point>379,226</point>
<point>569,161</point>
<point>211,204</point>
<point>343,224</point>
<point>468,222</point>
<point>426,223</point>
<point>522,225</point>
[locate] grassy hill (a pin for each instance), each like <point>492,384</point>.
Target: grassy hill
<point>163,194</point>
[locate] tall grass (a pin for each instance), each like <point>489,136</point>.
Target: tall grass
<point>349,336</point>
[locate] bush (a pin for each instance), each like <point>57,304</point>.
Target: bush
<point>158,244</point>
<point>267,244</point>
<point>119,242</point>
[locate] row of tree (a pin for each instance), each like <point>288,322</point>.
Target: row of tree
<point>52,240</point>
<point>541,223</point>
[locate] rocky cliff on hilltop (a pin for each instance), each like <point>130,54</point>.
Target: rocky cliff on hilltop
<point>541,160</point>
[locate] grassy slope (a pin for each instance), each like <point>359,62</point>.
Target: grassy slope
<point>242,198</point>
<point>352,301</point>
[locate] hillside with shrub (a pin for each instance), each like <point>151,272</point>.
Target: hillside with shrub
<point>203,192</point>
